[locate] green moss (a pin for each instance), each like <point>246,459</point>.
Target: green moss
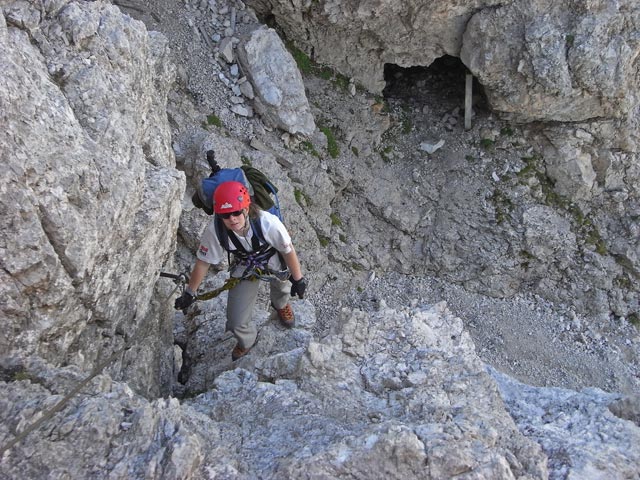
<point>570,39</point>
<point>324,241</point>
<point>335,220</point>
<point>343,238</point>
<point>623,282</point>
<point>341,82</point>
<point>506,131</point>
<point>332,144</point>
<point>302,198</point>
<point>355,151</point>
<point>245,161</point>
<point>634,319</point>
<point>21,375</point>
<point>305,65</point>
<point>308,147</point>
<point>593,238</point>
<point>487,143</point>
<point>527,255</point>
<point>384,153</point>
<point>214,120</point>
<point>502,205</point>
<point>407,126</point>
<point>325,73</point>
<point>530,167</point>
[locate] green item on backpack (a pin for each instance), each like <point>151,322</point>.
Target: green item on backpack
<point>262,187</point>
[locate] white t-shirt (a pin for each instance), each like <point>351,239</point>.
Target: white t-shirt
<point>273,231</point>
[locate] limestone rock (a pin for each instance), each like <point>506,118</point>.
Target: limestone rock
<point>89,188</point>
<point>277,83</point>
<point>577,426</point>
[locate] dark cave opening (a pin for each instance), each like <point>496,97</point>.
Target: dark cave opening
<point>441,83</point>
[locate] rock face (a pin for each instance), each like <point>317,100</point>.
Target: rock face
<point>359,38</point>
<point>536,61</point>
<point>277,83</point>
<point>391,395</point>
<point>89,192</point>
<point>589,429</point>
<point>568,63</point>
<point>539,60</point>
<point>540,64</point>
<point>91,201</point>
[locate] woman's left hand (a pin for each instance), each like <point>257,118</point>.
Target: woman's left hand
<point>298,287</point>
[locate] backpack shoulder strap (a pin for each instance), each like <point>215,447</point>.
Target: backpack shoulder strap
<point>221,233</point>
<point>258,237</point>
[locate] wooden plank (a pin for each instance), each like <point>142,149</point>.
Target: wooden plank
<point>468,96</point>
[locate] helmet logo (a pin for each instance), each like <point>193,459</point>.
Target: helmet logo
<point>226,205</point>
<point>240,198</point>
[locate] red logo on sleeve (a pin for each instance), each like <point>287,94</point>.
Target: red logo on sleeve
<point>203,250</point>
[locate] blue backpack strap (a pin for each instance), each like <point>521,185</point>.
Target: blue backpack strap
<point>276,201</point>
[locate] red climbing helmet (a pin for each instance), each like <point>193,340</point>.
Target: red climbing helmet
<point>230,197</point>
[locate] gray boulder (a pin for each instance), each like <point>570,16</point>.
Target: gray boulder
<point>279,92</point>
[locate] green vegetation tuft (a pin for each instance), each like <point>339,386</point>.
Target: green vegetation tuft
<point>325,73</point>
<point>308,67</point>
<point>302,198</point>
<point>324,241</point>
<point>245,161</point>
<point>335,220</point>
<point>355,151</point>
<point>384,153</point>
<point>21,375</point>
<point>502,204</point>
<point>570,39</point>
<point>529,168</point>
<point>583,225</point>
<point>305,65</point>
<point>341,82</point>
<point>407,126</point>
<point>307,146</point>
<point>487,143</point>
<point>634,319</point>
<point>214,120</point>
<point>332,144</point>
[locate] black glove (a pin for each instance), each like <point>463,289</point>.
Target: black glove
<point>184,300</point>
<point>298,287</point>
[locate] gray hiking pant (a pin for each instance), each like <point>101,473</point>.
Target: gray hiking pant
<point>240,303</point>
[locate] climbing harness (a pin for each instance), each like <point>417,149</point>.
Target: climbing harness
<point>255,262</point>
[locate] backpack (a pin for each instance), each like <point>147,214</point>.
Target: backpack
<point>261,189</point>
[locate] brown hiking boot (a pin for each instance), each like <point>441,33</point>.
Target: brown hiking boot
<point>238,352</point>
<point>286,316</point>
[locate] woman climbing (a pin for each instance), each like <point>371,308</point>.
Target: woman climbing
<point>258,245</point>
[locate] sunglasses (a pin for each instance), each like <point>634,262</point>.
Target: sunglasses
<point>227,216</point>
